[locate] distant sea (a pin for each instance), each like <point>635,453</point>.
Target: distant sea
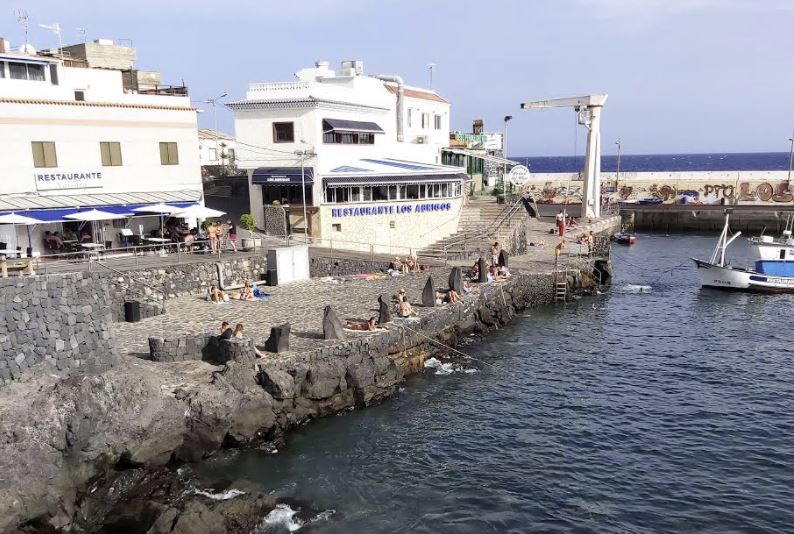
<point>759,161</point>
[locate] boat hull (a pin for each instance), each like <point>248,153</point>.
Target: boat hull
<point>737,279</point>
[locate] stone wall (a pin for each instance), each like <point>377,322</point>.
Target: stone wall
<point>336,266</point>
<point>62,319</point>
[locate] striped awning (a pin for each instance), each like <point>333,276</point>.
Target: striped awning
<point>394,179</point>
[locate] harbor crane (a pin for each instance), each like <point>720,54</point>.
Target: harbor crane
<point>588,109</point>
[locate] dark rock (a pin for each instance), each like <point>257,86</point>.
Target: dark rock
<point>456,280</point>
<point>384,313</point>
<point>429,293</point>
<point>503,256</point>
<point>332,326</point>
<point>279,339</point>
<point>483,276</point>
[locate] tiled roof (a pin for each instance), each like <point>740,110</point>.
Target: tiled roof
<point>49,102</point>
<point>416,93</point>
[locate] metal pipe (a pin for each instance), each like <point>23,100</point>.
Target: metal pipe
<point>400,98</point>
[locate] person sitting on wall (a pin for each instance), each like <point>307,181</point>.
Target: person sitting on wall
<point>397,265</point>
<point>495,253</point>
<point>226,331</point>
<point>248,292</point>
<point>404,308</point>
<point>216,295</point>
<point>362,325</point>
<point>238,334</point>
<point>503,272</point>
<point>450,297</point>
<point>425,268</point>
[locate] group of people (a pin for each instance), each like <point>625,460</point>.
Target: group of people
<point>226,333</point>
<point>496,268</point>
<point>248,292</point>
<point>217,234</point>
<point>408,265</point>
<point>57,241</point>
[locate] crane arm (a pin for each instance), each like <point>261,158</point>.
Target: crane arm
<point>577,101</point>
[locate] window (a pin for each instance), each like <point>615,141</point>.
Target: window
<point>348,138</point>
<point>409,117</point>
<point>213,154</point>
<point>336,227</point>
<point>26,71</point>
<point>53,74</point>
<point>232,154</point>
<point>283,132</point>
<point>79,96</point>
<point>168,154</point>
<point>437,122</point>
<point>2,69</point>
<point>111,153</point>
<point>423,121</point>
<point>44,154</point>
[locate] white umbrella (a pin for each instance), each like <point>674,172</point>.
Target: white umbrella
<point>16,219</point>
<point>160,209</point>
<point>197,211</point>
<point>95,215</point>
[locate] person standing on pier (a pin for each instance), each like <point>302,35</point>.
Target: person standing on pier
<point>561,223</point>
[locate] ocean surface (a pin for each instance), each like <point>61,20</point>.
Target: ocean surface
<point>655,407</point>
<point>757,161</point>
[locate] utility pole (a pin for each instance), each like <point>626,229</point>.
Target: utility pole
<point>303,153</point>
<point>508,118</point>
<point>214,101</point>
<point>790,159</point>
<point>617,172</point>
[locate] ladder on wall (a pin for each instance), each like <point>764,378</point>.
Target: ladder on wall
<point>560,286</point>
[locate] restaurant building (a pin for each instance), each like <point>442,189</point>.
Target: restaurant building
<point>362,151</point>
<point>82,128</point>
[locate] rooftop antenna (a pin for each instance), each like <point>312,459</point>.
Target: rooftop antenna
<point>56,29</point>
<point>81,34</point>
<point>430,68</point>
<point>22,18</point>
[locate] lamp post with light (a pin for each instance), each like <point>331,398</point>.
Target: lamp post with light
<point>508,118</point>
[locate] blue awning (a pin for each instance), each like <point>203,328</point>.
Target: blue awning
<point>345,126</point>
<point>59,215</point>
<point>282,175</point>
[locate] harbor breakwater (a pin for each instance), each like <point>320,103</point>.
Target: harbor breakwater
<point>96,451</point>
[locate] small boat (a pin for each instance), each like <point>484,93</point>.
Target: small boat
<point>624,238</point>
<point>652,201</point>
<point>773,273</point>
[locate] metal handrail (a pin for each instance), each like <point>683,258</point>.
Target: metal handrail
<point>492,228</point>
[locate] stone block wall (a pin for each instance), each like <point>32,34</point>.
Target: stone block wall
<point>320,266</point>
<point>61,319</point>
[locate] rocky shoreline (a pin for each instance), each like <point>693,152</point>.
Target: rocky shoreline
<point>100,452</point>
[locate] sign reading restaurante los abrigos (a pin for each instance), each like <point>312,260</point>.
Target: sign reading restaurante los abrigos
<point>391,209</point>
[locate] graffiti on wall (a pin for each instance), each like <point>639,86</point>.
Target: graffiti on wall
<point>689,192</point>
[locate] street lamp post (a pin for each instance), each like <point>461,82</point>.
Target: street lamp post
<point>303,153</point>
<point>214,101</point>
<point>617,171</point>
<point>790,159</point>
<point>508,118</point>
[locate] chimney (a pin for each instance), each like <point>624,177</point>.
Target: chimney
<point>4,45</point>
<point>476,127</point>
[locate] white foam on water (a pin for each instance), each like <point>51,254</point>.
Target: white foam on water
<point>220,496</point>
<point>282,515</point>
<point>635,288</point>
<point>444,369</point>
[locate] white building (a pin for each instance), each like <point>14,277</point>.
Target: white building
<point>83,129</point>
<point>372,170</point>
<point>216,148</point>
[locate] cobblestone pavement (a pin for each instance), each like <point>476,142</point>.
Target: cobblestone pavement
<point>300,303</point>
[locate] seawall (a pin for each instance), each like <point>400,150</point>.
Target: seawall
<point>68,444</point>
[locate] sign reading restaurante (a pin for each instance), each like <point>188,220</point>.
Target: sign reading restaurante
<point>390,209</point>
<point>67,180</point>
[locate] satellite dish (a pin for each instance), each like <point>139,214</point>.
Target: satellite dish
<point>28,48</point>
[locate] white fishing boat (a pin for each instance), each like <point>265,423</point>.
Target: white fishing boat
<point>774,268</point>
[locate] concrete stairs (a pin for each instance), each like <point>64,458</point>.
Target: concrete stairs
<point>482,221</point>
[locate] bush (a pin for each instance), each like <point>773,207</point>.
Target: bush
<point>247,222</point>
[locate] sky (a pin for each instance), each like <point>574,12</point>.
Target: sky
<point>683,76</point>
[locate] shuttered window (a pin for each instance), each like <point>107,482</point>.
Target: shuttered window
<point>169,154</point>
<point>111,153</point>
<point>44,154</point>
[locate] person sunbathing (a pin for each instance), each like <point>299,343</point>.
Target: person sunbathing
<point>404,309</point>
<point>248,292</point>
<point>238,334</point>
<point>362,325</point>
<point>215,295</point>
